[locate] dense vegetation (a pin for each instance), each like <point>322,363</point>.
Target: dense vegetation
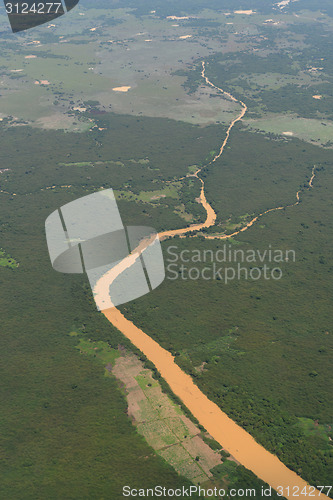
<point>64,425</point>
<point>65,432</point>
<point>249,331</point>
<point>260,349</point>
<point>267,176</point>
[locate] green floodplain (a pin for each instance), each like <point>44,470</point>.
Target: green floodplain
<point>260,349</point>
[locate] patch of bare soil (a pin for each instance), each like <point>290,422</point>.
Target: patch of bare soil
<point>163,424</point>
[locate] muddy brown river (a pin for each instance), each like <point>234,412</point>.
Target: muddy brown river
<point>225,431</point>
<point>239,443</point>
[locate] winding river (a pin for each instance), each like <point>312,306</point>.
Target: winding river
<point>225,431</point>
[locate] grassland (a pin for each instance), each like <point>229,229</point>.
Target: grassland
<point>309,130</point>
<point>170,191</point>
<point>139,51</point>
<point>7,261</point>
<point>114,55</point>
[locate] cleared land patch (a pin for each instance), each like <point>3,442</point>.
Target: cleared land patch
<point>273,81</point>
<point>7,261</point>
<point>319,132</point>
<point>170,191</point>
<point>157,418</point>
<point>163,424</point>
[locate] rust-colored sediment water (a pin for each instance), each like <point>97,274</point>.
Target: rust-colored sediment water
<point>210,219</point>
<point>226,432</point>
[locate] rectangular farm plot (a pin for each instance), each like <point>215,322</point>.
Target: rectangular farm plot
<point>163,424</point>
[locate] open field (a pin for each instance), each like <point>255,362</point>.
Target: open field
<point>123,50</point>
<point>170,191</point>
<point>116,55</point>
<point>7,261</point>
<point>319,132</point>
<point>274,81</point>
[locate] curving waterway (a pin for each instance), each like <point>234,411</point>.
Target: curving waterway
<point>240,444</point>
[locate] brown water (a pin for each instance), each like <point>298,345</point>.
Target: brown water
<point>231,436</point>
<point>227,433</point>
